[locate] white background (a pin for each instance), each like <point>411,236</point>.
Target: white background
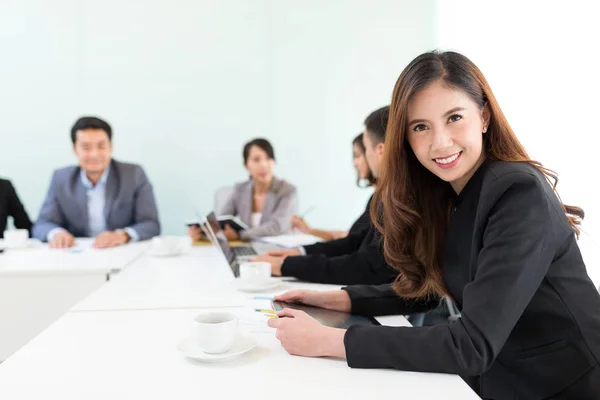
<point>185,83</point>
<point>541,61</point>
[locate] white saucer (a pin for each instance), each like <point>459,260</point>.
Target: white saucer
<point>25,245</point>
<point>155,253</point>
<point>245,286</point>
<point>243,343</point>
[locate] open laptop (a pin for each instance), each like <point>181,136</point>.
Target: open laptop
<point>240,252</point>
<point>217,237</point>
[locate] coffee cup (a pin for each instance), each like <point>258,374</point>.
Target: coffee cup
<point>16,238</point>
<point>255,272</point>
<point>215,332</point>
<point>170,245</point>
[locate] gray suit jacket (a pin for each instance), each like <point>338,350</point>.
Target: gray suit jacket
<point>279,207</point>
<point>129,203</point>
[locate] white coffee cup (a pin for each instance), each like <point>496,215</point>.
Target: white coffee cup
<point>16,238</point>
<point>170,245</point>
<point>255,272</point>
<point>215,332</point>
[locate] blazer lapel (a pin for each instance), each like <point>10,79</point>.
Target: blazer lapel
<point>112,187</point>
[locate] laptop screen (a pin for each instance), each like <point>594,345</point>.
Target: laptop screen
<point>219,235</point>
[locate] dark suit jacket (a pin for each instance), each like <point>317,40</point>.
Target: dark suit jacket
<point>355,259</point>
<point>348,244</point>
<point>129,203</point>
<point>530,325</point>
<point>10,206</point>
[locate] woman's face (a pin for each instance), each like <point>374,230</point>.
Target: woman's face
<point>360,162</point>
<point>259,165</point>
<point>445,131</point>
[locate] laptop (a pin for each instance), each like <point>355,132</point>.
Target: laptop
<point>233,255</point>
<point>240,252</point>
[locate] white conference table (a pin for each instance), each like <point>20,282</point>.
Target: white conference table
<point>199,279</point>
<point>121,342</point>
<point>133,355</point>
<point>38,285</point>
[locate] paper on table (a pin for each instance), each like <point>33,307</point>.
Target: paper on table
<point>78,258</point>
<point>291,241</point>
<point>256,321</point>
<point>83,243</point>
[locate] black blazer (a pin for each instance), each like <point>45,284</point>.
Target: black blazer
<point>348,244</point>
<point>355,259</point>
<point>530,325</point>
<point>10,206</point>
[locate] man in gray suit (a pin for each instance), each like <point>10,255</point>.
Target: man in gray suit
<point>101,197</point>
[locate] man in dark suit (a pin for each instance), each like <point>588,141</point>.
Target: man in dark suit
<point>101,197</point>
<point>10,206</point>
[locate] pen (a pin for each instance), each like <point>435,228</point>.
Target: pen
<point>302,216</point>
<point>265,311</point>
<point>270,298</point>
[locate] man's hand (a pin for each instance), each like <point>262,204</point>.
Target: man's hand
<point>111,239</point>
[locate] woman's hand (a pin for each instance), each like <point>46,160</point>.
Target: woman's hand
<point>195,233</point>
<point>333,300</point>
<point>283,253</point>
<point>298,224</point>
<point>339,234</point>
<point>231,234</point>
<point>275,261</point>
<point>302,335</point>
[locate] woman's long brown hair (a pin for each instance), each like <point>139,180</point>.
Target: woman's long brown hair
<point>411,206</point>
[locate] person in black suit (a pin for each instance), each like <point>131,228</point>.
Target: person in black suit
<point>10,206</point>
<point>467,214</point>
<point>356,258</point>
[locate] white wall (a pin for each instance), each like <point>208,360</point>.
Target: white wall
<point>541,61</point>
<point>185,83</point>
<point>334,62</point>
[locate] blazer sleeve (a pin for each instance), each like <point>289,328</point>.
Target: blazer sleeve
<point>364,221</point>
<point>338,247</point>
<point>371,300</point>
<point>279,221</point>
<point>349,244</point>
<point>51,216</point>
<point>518,248</point>
<point>146,223</point>
<point>366,266</point>
<point>17,211</point>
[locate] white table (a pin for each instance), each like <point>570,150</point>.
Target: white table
<point>121,342</point>
<point>200,279</point>
<point>133,355</point>
<point>38,285</point>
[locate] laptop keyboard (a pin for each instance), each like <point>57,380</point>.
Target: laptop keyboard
<point>243,251</point>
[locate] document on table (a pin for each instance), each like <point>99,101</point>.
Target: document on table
<point>81,257</point>
<point>292,240</point>
<point>256,314</point>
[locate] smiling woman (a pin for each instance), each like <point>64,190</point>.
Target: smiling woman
<point>465,213</point>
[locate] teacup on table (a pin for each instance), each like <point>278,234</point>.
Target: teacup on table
<point>16,238</point>
<point>215,332</point>
<point>256,273</point>
<point>170,245</point>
